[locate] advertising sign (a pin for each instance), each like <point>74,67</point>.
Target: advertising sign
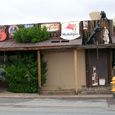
<point>2,33</point>
<point>70,30</point>
<point>12,29</point>
<point>51,27</point>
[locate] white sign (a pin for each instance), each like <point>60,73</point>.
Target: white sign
<point>28,25</point>
<point>70,30</point>
<point>102,81</point>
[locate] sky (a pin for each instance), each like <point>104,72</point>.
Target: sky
<point>40,11</point>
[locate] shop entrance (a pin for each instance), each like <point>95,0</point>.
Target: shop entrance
<point>98,67</point>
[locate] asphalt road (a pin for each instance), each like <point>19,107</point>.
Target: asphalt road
<point>16,106</point>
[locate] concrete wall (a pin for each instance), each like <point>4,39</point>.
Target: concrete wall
<point>61,71</point>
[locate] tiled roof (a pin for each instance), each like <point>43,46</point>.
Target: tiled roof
<point>12,45</point>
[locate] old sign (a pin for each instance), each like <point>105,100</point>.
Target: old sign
<point>2,33</point>
<point>51,27</point>
<point>70,30</point>
<point>12,29</point>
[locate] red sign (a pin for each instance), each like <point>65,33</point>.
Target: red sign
<point>2,33</point>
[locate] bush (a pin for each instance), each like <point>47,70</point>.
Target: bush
<point>21,74</point>
<point>33,34</point>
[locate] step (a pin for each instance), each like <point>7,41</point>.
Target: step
<point>57,92</point>
<point>95,90</point>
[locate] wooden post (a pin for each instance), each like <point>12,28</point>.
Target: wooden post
<point>75,70</point>
<point>39,69</point>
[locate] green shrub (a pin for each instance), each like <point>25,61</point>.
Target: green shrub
<point>22,73</point>
<point>33,34</point>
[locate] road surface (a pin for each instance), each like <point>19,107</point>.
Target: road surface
<point>16,106</point>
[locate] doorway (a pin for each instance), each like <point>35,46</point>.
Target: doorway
<point>98,67</point>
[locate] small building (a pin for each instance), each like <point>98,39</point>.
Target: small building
<point>75,63</point>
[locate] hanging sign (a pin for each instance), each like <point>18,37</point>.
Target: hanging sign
<point>70,30</point>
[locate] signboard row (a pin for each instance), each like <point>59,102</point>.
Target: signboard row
<point>67,30</point>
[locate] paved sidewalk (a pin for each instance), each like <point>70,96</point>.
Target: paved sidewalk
<point>36,95</point>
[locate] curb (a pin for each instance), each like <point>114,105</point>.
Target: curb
<point>37,96</point>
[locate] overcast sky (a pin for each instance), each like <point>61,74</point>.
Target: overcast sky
<point>35,11</point>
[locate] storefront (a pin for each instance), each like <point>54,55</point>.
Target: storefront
<point>98,67</point>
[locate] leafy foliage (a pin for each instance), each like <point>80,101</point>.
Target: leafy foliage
<point>32,34</point>
<point>22,73</point>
